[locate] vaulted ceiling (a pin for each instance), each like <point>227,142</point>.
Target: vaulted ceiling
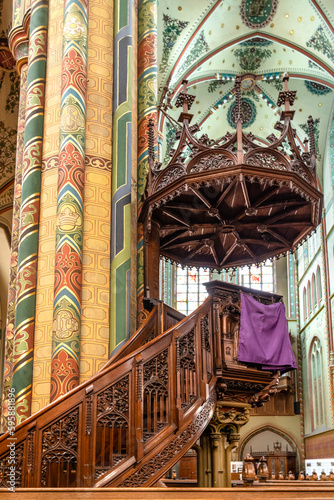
<point>209,43</point>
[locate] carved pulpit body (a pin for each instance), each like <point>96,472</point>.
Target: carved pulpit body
<point>241,382</point>
<point>230,336</point>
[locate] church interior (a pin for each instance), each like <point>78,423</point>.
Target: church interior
<point>167,247</point>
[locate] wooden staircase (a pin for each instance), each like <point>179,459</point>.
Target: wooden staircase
<point>131,422</point>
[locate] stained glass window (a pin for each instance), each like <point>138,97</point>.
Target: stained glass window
<point>258,277</point>
<point>190,292</point>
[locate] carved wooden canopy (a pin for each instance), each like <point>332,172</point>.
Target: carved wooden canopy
<point>233,202</point>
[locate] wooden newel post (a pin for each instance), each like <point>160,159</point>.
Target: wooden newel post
<point>152,261</point>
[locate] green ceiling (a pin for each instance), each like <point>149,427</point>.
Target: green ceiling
<point>208,43</point>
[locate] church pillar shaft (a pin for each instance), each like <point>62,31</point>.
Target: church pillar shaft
<point>152,260</point>
<point>300,362</point>
<point>9,335</point>
<point>147,109</point>
<point>218,460</point>
<point>29,212</point>
<point>124,136</point>
<point>69,230</point>
<point>206,454</point>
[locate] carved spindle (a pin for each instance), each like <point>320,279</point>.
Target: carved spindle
<point>238,99</point>
<point>310,124</point>
<point>139,381</point>
<point>238,120</point>
<point>177,343</point>
<point>151,139</point>
<point>30,461</point>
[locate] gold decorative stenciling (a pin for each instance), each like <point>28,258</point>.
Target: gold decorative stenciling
<point>68,218</point>
<point>65,325</point>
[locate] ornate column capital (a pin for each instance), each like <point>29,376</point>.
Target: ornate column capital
<point>18,41</point>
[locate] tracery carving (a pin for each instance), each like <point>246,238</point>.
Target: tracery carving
<point>169,176</point>
<point>212,162</point>
<point>151,336</point>
<point>113,404</point>
<point>186,354</point>
<point>157,463</point>
<point>112,424</point>
<point>265,160</point>
<point>155,384</point>
<point>59,445</point>
<point>205,333</point>
<point>6,463</point>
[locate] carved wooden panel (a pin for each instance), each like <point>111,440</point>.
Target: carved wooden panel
<point>155,387</point>
<point>9,477</point>
<point>170,452</point>
<point>187,368</point>
<point>60,452</point>
<point>206,345</point>
<point>112,426</point>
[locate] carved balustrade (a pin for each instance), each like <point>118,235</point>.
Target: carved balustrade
<point>136,417</point>
<point>129,423</point>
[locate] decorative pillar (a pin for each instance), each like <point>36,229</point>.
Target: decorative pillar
<point>122,175</point>
<point>300,361</point>
<point>29,212</point>
<point>69,231</point>
<point>147,109</point>
<point>225,426</point>
<point>9,335</point>
<point>218,462</point>
<point>95,304</point>
<point>152,260</point>
<point>207,466</point>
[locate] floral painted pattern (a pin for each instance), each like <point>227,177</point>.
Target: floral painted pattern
<point>172,30</point>
<point>251,57</point>
<point>7,150</point>
<point>320,42</point>
<point>197,48</point>
<point>215,84</point>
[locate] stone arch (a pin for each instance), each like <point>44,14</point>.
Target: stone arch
<point>275,430</point>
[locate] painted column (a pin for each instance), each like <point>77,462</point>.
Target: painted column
<point>95,316</point>
<point>69,231</point>
<point>48,211</point>
<point>147,109</point>
<point>300,360</point>
<point>9,335</point>
<point>121,306</point>
<point>29,214</point>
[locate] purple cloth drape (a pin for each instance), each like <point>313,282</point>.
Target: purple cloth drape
<point>264,337</point>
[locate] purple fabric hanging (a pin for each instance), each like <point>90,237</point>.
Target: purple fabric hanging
<point>264,337</point>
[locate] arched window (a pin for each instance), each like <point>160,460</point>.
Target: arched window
<point>304,303</point>
<point>316,384</point>
<point>319,287</point>
<point>309,303</point>
<point>314,292</point>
